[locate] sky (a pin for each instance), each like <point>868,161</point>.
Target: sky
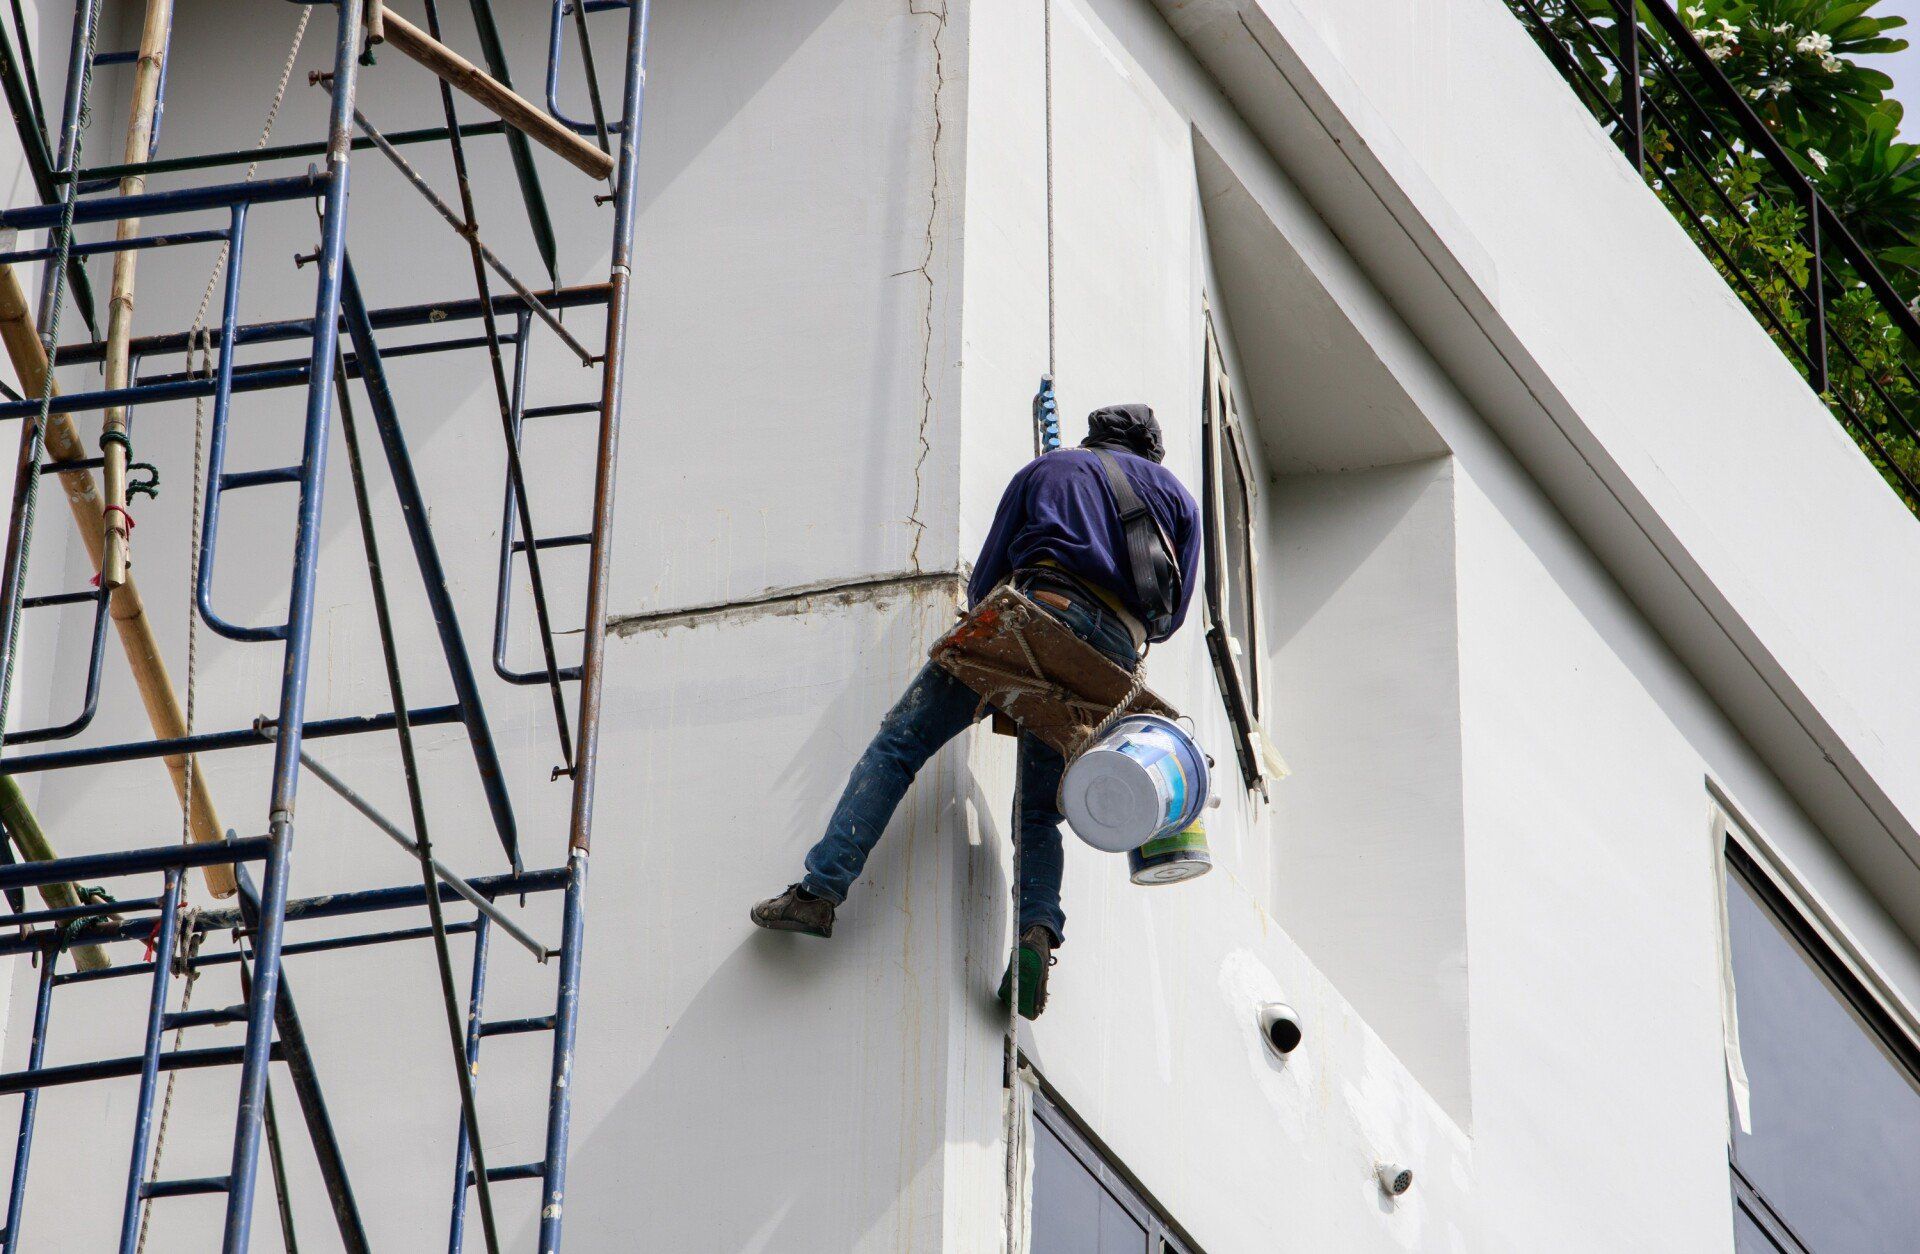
<point>1905,66</point>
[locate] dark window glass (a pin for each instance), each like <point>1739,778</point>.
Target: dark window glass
<point>1836,1118</point>
<point>1072,1212</point>
<point>1237,524</point>
<point>1232,582</point>
<point>1082,1204</point>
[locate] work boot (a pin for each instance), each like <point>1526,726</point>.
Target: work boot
<point>795,910</point>
<point>1036,959</point>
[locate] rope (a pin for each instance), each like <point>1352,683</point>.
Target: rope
<point>200,339</point>
<point>1046,18</point>
<point>1012,1061</point>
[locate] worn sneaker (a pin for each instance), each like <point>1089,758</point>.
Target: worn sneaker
<point>1036,959</point>
<point>792,912</point>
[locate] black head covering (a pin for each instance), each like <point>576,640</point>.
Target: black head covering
<point>1128,428</point>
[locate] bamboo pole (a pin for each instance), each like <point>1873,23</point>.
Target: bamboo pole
<point>129,613</point>
<point>505,103</point>
<point>114,519</point>
<point>34,847</point>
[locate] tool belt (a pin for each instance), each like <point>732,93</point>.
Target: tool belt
<point>1027,666</point>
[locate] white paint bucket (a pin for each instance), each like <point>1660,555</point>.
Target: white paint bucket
<point>1144,778</point>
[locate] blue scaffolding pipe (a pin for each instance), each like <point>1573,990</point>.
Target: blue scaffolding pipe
<point>173,240</point>
<point>159,204</point>
<point>580,817</point>
<point>120,1068</point>
<point>462,1147</point>
<point>390,318</point>
<point>92,866</point>
<point>150,1061</point>
<point>29,1109</point>
<point>299,636</point>
<point>273,1029</point>
<point>96,655</point>
<point>209,742</point>
<point>413,509</point>
<point>306,1085</point>
<point>510,522</point>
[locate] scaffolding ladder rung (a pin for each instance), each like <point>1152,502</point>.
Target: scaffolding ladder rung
<point>187,1188</point>
<point>560,411</point>
<point>78,463</point>
<point>519,1171</point>
<point>89,866</point>
<point>555,542</point>
<point>515,1027</point>
<point>156,204</point>
<point>60,598</point>
<point>116,1068</point>
<point>255,478</point>
<point>205,1018</point>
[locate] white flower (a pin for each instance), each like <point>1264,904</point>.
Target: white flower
<point>1818,158</point>
<point>1832,64</point>
<point>1781,87</point>
<point>1719,52</point>
<point>1783,28</point>
<point>1816,44</point>
<point>1696,13</point>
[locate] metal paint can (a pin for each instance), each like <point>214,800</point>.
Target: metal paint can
<point>1143,779</point>
<point>1171,859</point>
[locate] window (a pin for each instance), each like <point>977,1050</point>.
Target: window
<point>1081,1203</point>
<point>1228,489</point>
<point>1834,1079</point>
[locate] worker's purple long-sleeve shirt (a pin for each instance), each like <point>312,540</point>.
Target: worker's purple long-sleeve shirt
<point>1058,507</point>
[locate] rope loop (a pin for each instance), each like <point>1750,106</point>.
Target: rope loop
<point>149,486</point>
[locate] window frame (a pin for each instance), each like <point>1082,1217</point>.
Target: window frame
<point>1222,443</point>
<point>1163,1235</point>
<point>1839,964</point>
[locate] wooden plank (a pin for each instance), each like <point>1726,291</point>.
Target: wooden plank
<point>34,847</point>
<point>128,611</point>
<point>154,34</point>
<point>1072,693</point>
<point>505,103</point>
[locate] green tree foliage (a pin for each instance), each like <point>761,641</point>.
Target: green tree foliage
<point>1794,63</point>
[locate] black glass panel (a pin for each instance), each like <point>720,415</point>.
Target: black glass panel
<point>1836,1121</point>
<point>1072,1213</point>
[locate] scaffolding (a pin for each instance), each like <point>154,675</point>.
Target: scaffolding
<point>84,935</point>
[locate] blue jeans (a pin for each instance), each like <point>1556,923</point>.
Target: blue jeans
<point>936,708</point>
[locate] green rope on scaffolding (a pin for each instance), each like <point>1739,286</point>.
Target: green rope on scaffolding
<point>149,486</point>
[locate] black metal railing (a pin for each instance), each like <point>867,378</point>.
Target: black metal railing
<point>1731,183</point>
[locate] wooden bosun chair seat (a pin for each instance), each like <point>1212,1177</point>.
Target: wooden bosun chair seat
<point>1030,668</point>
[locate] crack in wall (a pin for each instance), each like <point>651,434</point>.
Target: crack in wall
<point>925,271</point>
<point>791,600</point>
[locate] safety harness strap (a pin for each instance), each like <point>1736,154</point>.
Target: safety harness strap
<point>1155,573</point>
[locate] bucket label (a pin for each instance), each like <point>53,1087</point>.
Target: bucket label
<point>1158,754</point>
<point>1190,838</point>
